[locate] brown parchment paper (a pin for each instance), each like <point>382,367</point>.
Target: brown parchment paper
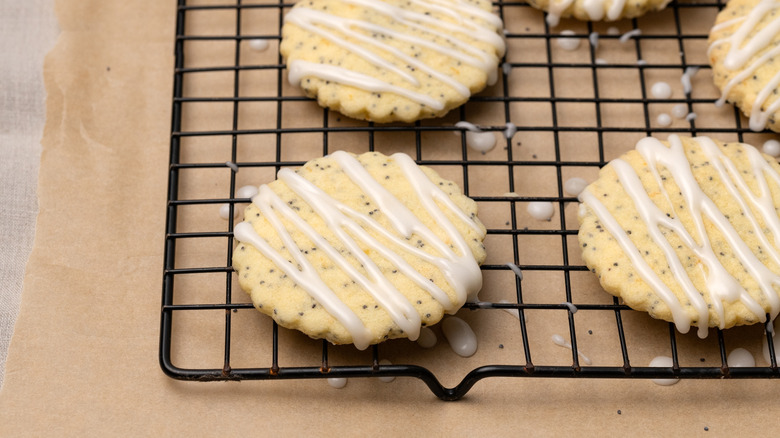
<point>83,361</point>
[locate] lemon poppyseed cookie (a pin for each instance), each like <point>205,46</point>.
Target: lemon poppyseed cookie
<point>359,249</point>
<point>744,45</point>
<point>596,10</point>
<point>688,231</point>
<point>392,60</point>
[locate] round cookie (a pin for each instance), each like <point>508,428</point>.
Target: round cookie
<point>595,10</point>
<point>392,60</point>
<point>744,45</point>
<point>359,249</point>
<point>688,231</point>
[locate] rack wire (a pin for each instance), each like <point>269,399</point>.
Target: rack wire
<point>236,121</point>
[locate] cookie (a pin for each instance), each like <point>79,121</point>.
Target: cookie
<point>595,10</point>
<point>359,249</point>
<point>688,231</point>
<point>744,45</point>
<point>392,60</point>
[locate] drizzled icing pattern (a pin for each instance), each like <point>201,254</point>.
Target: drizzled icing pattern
<point>595,9</point>
<point>720,285</point>
<point>442,29</point>
<point>352,228</point>
<point>744,44</point>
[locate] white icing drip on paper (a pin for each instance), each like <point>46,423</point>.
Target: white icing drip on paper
<point>476,139</point>
<point>224,211</point>
<point>771,147</point>
<point>559,341</point>
<point>460,270</point>
<point>246,192</point>
<point>337,382</point>
<point>721,286</point>
<point>739,357</point>
<point>572,308</point>
<point>466,21</point>
<point>594,40</point>
<point>541,210</point>
<point>510,131</point>
<point>663,120</point>
<point>574,186</point>
<point>744,44</point>
<point>427,338</point>
<point>680,110</point>
<point>663,362</point>
<point>258,44</point>
<point>460,336</point>
<point>233,166</point>
<point>661,90</point>
<point>567,41</point>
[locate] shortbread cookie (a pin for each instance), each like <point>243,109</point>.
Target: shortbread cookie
<point>743,53</point>
<point>392,60</point>
<point>688,231</point>
<point>595,10</point>
<point>359,249</point>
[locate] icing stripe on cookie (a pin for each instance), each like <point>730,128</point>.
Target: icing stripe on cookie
<point>595,9</point>
<point>720,284</point>
<point>744,44</point>
<point>350,227</point>
<point>342,31</point>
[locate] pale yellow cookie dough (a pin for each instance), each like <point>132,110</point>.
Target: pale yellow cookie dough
<point>325,45</point>
<point>747,86</point>
<point>277,295</point>
<point>607,258</point>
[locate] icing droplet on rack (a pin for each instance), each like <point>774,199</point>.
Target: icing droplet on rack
<point>510,130</point>
<point>258,44</point>
<point>685,79</point>
<point>541,210</point>
<point>661,90</point>
<point>771,147</point>
<point>630,34</point>
<point>233,166</point>
<point>574,186</point>
<point>460,336</point>
<point>594,40</point>
<point>224,211</point>
<point>663,362</point>
<point>476,139</point>
<point>516,270</point>
<point>740,357</point>
<point>427,338</point>
<point>513,312</point>
<point>558,340</point>
<point>601,61</point>
<point>566,42</point>
<point>663,119</point>
<point>337,382</point>
<point>572,307</point>
<point>690,117</point>
<point>386,379</point>
<point>680,110</point>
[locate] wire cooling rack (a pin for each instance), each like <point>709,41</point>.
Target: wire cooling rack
<point>236,122</point>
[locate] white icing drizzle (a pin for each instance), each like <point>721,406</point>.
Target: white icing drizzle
<point>595,9</point>
<point>720,285</point>
<point>460,336</point>
<point>513,312</point>
<point>594,40</point>
<point>467,20</point>
<point>690,117</point>
<point>559,341</point>
<point>460,270</point>
<point>567,41</point>
<point>233,166</point>
<point>477,139</point>
<point>744,44</point>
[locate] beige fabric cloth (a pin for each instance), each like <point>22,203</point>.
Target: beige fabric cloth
<point>28,29</point>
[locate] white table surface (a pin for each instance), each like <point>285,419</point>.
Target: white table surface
<point>28,30</point>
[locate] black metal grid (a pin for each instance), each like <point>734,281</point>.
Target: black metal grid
<point>560,141</point>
